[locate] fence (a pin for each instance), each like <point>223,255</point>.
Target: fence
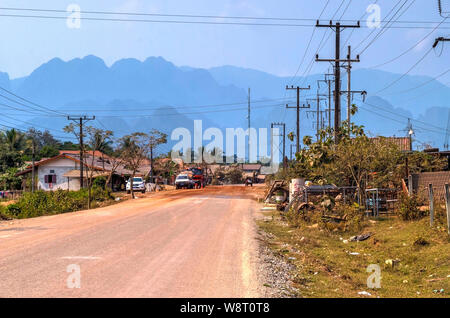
<point>420,182</point>
<point>432,199</point>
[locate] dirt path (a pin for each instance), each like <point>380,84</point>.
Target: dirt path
<point>193,243</point>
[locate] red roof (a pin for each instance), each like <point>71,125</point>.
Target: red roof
<point>77,152</point>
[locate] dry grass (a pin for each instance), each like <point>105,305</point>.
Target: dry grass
<point>326,267</point>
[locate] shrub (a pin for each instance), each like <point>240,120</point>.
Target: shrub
<point>12,210</point>
<point>353,217</point>
<point>46,203</point>
<point>99,182</point>
<point>440,213</point>
<point>409,207</point>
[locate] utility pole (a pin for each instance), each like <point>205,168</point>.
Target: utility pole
<point>349,91</point>
<point>32,163</point>
<point>440,39</point>
<point>329,109</point>
<point>410,132</point>
<point>337,70</point>
<point>298,107</point>
<point>284,140</point>
<point>318,112</point>
<point>79,121</point>
<point>248,118</point>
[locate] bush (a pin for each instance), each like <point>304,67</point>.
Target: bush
<point>440,213</point>
<point>409,207</point>
<point>99,182</point>
<point>12,210</point>
<point>54,202</point>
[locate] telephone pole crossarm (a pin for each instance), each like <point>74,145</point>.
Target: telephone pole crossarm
<point>440,39</point>
<point>298,107</point>
<point>79,120</point>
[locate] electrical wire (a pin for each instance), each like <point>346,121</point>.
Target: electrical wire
<point>407,72</point>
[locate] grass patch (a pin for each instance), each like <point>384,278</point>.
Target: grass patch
<point>414,258</point>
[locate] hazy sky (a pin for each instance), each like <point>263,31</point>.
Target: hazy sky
<point>26,43</point>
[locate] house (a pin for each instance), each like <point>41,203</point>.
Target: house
<point>63,171</point>
<point>404,143</point>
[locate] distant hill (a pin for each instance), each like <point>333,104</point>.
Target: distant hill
<point>133,95</point>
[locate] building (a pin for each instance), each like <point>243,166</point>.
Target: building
<point>404,143</point>
<point>63,171</point>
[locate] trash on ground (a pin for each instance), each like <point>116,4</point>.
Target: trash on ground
<point>361,237</point>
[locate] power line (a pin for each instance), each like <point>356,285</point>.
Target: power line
<point>92,107</point>
<point>191,22</point>
<point>407,72</point>
<point>309,44</point>
<point>410,49</point>
<point>387,26</point>
<point>437,128</point>
<point>374,29</point>
<point>420,85</point>
<point>190,113</point>
<point>188,15</point>
<point>27,101</point>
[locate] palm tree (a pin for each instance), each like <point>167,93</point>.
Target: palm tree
<point>15,140</point>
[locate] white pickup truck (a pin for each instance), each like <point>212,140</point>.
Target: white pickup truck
<point>184,181</point>
<point>138,185</point>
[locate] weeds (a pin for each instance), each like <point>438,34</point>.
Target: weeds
<point>409,207</point>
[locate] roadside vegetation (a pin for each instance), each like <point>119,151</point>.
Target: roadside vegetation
<point>413,258</point>
<point>42,203</point>
<point>332,243</point>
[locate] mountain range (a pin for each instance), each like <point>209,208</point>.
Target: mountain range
<point>132,95</point>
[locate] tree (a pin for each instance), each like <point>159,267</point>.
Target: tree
<point>134,149</point>
<point>98,139</point>
<point>234,175</point>
<point>155,138</point>
<point>115,160</point>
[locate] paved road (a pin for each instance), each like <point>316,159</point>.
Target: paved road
<point>189,243</point>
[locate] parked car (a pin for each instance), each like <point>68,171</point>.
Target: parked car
<point>138,185</point>
<point>184,181</point>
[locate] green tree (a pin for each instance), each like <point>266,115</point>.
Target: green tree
<point>134,150</point>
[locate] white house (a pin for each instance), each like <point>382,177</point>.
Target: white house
<point>59,172</point>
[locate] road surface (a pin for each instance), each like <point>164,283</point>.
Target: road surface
<point>187,243</point>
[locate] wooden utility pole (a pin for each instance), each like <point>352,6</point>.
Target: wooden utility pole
<point>431,197</point>
<point>248,119</point>
<point>337,71</point>
<point>447,205</point>
<point>33,163</point>
<point>318,112</point>
<point>79,121</point>
<point>329,109</point>
<point>298,107</point>
<point>440,39</point>
<point>284,140</point>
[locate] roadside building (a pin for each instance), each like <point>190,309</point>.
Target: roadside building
<point>63,171</point>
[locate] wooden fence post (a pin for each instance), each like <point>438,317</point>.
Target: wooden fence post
<point>447,204</point>
<point>430,192</point>
<point>410,185</point>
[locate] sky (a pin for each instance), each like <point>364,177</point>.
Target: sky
<point>26,43</point>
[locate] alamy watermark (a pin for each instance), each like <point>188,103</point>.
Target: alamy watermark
<point>374,279</point>
<point>74,279</point>
<point>374,18</point>
<point>74,18</point>
<point>233,147</point>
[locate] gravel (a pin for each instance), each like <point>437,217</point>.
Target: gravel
<point>274,271</point>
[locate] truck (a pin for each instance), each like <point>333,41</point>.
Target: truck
<point>184,180</point>
<point>191,178</point>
